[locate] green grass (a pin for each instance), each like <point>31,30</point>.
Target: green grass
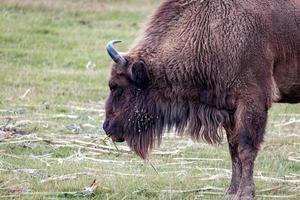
<point>53,81</point>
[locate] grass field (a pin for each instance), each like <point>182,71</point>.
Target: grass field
<point>53,81</point>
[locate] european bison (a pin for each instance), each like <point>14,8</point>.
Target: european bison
<point>203,66</point>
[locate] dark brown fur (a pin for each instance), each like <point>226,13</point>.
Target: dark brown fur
<point>206,66</point>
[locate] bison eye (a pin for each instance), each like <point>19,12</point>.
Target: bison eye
<point>115,89</point>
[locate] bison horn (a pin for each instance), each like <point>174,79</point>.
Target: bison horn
<point>114,54</point>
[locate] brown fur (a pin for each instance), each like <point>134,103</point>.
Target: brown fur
<point>202,66</point>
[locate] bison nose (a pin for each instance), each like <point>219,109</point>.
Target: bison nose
<point>105,126</point>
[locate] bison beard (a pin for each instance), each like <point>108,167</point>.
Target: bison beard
<point>147,123</point>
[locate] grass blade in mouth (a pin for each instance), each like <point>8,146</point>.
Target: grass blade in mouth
<point>115,146</point>
<point>104,141</point>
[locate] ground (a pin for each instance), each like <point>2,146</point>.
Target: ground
<point>53,82</point>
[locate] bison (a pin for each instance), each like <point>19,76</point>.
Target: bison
<point>207,67</point>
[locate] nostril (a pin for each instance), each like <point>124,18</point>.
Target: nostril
<point>105,125</point>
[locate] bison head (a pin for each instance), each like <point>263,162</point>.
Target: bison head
<point>128,107</point>
<point>143,102</point>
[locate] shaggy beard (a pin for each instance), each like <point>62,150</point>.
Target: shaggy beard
<point>143,135</point>
<point>142,144</point>
<point>201,122</point>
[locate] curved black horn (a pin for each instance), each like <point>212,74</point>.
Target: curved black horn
<point>114,54</point>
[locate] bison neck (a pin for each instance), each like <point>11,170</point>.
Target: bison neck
<point>202,115</point>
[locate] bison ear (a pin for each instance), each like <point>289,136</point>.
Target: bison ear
<point>139,74</point>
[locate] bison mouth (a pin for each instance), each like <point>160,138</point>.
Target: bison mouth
<point>141,143</point>
<point>117,138</point>
<point>111,132</point>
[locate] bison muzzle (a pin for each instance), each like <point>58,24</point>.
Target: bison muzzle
<point>204,68</point>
